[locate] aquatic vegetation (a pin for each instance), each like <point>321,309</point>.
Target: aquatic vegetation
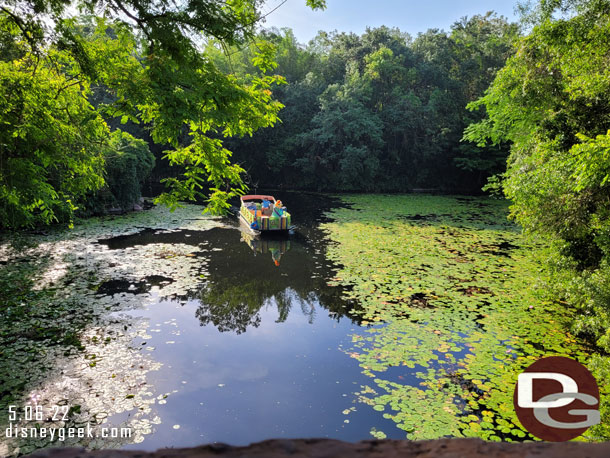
<point>62,339</point>
<point>76,310</point>
<point>443,289</point>
<point>450,292</point>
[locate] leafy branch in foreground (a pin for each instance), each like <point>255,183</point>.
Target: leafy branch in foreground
<point>148,55</point>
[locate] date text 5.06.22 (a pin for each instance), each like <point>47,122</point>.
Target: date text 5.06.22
<point>38,413</point>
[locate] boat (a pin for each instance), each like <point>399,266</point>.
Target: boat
<point>262,213</point>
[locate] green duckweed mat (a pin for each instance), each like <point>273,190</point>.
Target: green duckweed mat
<point>454,308</point>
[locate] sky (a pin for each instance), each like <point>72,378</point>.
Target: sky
<point>410,16</point>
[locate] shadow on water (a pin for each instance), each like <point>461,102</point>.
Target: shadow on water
<point>242,273</point>
<point>256,343</point>
<point>188,335</point>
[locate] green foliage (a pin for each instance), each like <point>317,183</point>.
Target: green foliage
<point>146,55</point>
<point>551,102</point>
<point>129,158</point>
<point>448,289</point>
<point>128,163</point>
<point>51,140</point>
<point>316,4</point>
<point>379,111</point>
<point>344,143</point>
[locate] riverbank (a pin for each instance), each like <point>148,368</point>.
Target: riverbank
<point>312,448</point>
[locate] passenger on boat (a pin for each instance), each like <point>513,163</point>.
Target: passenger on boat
<point>266,209</point>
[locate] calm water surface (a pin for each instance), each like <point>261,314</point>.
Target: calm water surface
<point>256,349</point>
<point>188,331</point>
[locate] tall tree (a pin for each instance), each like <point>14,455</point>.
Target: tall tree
<point>380,111</point>
<point>551,103</point>
<point>148,53</point>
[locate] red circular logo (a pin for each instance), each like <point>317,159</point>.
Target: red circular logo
<point>556,399</point>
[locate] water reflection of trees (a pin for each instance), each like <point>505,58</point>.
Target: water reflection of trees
<point>240,284</point>
<point>230,307</point>
<point>235,308</point>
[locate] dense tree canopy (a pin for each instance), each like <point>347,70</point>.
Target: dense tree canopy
<point>148,55</point>
<point>551,102</point>
<point>378,112</point>
<point>381,111</point>
<point>51,141</point>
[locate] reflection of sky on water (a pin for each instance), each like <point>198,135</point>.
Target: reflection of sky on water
<point>277,380</point>
<point>253,350</point>
<point>184,323</point>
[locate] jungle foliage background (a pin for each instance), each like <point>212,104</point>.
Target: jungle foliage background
<point>96,108</point>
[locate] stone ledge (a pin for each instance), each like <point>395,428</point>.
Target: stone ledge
<point>326,448</point>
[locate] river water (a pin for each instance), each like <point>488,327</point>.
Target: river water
<point>187,331</point>
<point>184,330</point>
<point>259,350</point>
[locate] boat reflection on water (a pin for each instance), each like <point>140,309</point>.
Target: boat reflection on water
<point>244,280</point>
<point>263,245</point>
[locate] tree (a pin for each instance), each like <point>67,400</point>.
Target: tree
<point>148,54</point>
<point>51,140</point>
<point>343,146</point>
<point>551,103</point>
<point>128,162</point>
<point>377,112</point>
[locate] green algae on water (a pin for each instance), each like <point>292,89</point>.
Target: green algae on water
<point>64,339</point>
<point>452,311</point>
